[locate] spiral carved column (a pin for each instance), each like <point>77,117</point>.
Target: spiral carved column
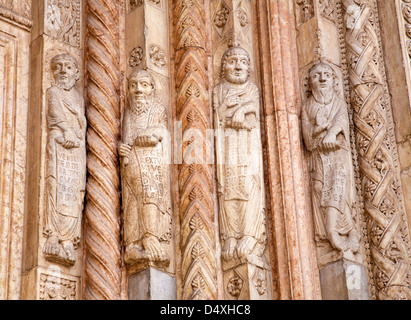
<point>102,211</point>
<point>197,213</point>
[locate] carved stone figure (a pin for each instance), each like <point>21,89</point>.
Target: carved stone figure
<point>145,174</point>
<point>239,159</point>
<point>325,128</point>
<point>66,162</point>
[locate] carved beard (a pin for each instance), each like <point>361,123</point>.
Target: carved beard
<point>323,95</point>
<point>66,85</point>
<point>236,79</point>
<point>139,107</point>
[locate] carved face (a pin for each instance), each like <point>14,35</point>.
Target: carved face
<point>236,68</point>
<point>65,72</point>
<point>140,89</point>
<point>322,80</point>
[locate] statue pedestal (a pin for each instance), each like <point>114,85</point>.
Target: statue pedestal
<point>247,280</point>
<point>152,284</point>
<point>344,280</point>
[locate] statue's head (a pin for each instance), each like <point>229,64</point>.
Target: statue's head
<point>141,88</point>
<point>65,71</point>
<point>322,82</point>
<point>236,65</point>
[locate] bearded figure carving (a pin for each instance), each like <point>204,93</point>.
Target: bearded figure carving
<point>325,127</point>
<point>236,105</point>
<point>66,162</point>
<point>145,174</point>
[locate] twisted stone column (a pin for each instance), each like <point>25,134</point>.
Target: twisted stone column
<point>195,178</point>
<point>387,229</point>
<point>102,211</point>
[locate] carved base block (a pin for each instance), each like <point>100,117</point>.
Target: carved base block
<point>344,280</point>
<point>247,282</point>
<point>152,284</point>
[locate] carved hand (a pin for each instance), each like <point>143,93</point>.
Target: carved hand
<point>329,143</point>
<point>124,150</point>
<point>232,100</point>
<point>147,141</point>
<point>238,119</point>
<point>70,140</point>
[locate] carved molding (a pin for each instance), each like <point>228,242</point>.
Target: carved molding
<point>387,229</point>
<point>22,20</point>
<point>102,211</point>
<point>198,265</point>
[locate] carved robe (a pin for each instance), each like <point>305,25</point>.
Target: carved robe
<point>145,178</point>
<point>66,168</point>
<point>239,163</point>
<point>331,171</point>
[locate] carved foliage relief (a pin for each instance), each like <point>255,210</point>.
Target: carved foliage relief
<point>66,162</point>
<point>195,179</point>
<point>389,246</point>
<point>63,21</point>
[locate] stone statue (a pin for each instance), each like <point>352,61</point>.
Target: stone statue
<point>325,127</point>
<point>236,105</point>
<point>145,174</point>
<point>66,162</point>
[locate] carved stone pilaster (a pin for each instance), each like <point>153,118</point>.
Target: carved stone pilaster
<point>387,228</point>
<point>57,172</point>
<point>195,174</point>
<point>102,211</point>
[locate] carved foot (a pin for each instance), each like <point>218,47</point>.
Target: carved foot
<point>228,250</point>
<point>70,253</point>
<point>54,251</point>
<point>245,246</point>
<point>154,249</point>
<point>52,247</point>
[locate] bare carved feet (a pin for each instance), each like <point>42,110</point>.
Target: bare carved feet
<point>52,246</point>
<point>153,248</point>
<point>245,246</point>
<point>228,251</point>
<point>64,253</point>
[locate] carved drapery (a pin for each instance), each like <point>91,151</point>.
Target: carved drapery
<point>387,229</point>
<point>102,211</point>
<point>195,177</point>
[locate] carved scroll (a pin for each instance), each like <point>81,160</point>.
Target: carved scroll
<point>66,162</point>
<point>388,234</point>
<point>102,235</point>
<point>198,265</point>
